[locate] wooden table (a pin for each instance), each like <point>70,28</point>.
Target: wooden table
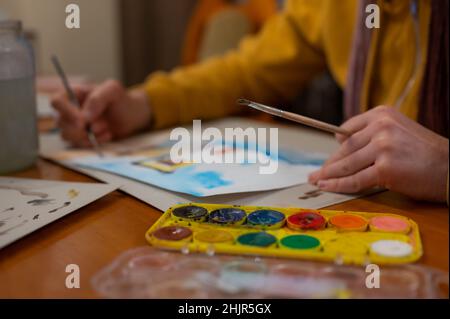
<point>34,267</point>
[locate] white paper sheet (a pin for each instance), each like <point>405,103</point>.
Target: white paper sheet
<point>29,204</point>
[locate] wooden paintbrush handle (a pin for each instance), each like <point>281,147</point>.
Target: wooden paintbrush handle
<point>315,123</point>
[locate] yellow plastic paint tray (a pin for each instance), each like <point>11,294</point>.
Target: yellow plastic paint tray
<point>297,233</point>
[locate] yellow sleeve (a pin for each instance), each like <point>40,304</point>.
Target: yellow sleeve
<point>269,67</point>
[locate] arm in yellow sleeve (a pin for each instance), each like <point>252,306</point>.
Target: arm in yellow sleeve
<point>271,66</point>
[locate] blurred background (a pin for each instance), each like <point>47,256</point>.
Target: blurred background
<point>93,50</point>
<point>129,39</point>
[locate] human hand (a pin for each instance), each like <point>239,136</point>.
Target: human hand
<point>111,111</point>
<point>389,150</point>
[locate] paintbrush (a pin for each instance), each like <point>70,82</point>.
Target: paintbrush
<point>73,99</point>
<point>295,117</point>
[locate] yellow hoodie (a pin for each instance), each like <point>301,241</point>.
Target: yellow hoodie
<point>294,46</point>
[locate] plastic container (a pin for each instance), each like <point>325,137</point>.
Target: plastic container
<point>146,272</point>
<point>18,120</point>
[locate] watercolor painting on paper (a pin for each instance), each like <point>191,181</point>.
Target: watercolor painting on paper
<point>152,165</point>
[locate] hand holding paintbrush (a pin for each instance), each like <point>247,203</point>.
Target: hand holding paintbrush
<point>73,99</point>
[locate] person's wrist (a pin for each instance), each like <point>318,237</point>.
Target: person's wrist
<point>142,109</point>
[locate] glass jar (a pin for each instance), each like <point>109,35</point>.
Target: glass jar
<point>18,120</point>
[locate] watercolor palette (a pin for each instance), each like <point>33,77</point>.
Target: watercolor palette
<point>336,236</point>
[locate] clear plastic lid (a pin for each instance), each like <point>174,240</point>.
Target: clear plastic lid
<point>147,272</point>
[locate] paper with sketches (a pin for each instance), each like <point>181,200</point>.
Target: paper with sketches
<point>29,204</point>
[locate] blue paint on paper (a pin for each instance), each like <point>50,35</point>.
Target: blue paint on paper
<point>192,179</point>
<point>299,158</point>
<point>184,179</point>
<point>211,180</point>
<point>285,155</point>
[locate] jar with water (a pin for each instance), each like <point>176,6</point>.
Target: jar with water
<point>18,122</point>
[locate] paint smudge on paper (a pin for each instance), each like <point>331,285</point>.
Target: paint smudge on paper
<point>3,222</point>
<point>7,210</point>
<point>24,191</point>
<point>61,207</point>
<point>311,194</point>
<point>211,179</point>
<point>14,227</point>
<point>72,193</point>
<point>40,202</point>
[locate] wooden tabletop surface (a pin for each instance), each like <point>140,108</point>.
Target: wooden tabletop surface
<point>34,267</point>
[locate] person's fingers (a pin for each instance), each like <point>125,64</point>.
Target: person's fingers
<point>381,120</point>
<point>102,131</point>
<point>104,94</point>
<point>75,137</point>
<point>99,126</point>
<point>360,181</point>
<point>73,134</point>
<point>350,164</point>
<point>354,143</point>
<point>359,122</point>
<point>84,144</point>
<point>66,110</point>
<point>104,137</point>
<point>81,91</point>
<point>313,177</point>
<point>353,125</point>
